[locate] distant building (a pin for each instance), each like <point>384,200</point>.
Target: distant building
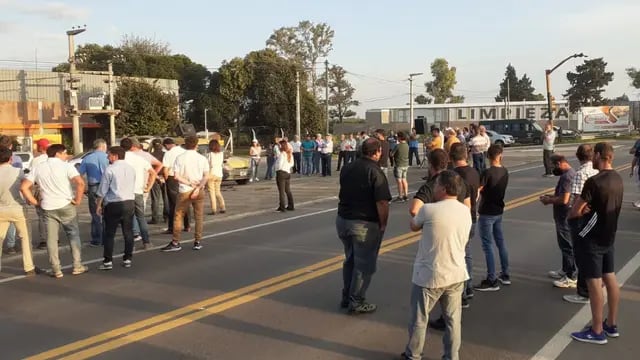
<point>32,104</point>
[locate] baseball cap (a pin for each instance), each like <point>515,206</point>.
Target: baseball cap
<point>43,143</point>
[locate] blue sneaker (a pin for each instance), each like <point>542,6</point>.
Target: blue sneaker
<point>610,331</point>
<point>588,336</point>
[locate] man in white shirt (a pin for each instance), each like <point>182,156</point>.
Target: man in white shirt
<point>439,271</point>
<point>296,146</point>
<point>479,145</point>
<point>145,177</point>
<point>54,178</point>
<point>548,145</point>
<point>173,151</point>
<point>191,171</point>
<point>116,194</point>
<point>326,152</point>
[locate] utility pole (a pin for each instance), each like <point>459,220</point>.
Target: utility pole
<point>326,91</point>
<point>547,74</point>
<point>508,114</point>
<point>206,129</point>
<point>298,104</point>
<point>411,117</point>
<point>112,116</point>
<point>75,116</point>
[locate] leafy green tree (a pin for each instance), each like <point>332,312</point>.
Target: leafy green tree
<point>305,43</point>
<point>422,99</point>
<point>144,109</point>
<point>587,84</point>
<point>444,80</point>
<point>131,43</point>
<point>340,93</point>
<point>517,89</point>
<point>634,74</point>
<point>456,99</point>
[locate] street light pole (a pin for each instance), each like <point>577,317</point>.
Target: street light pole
<point>548,80</point>
<point>411,120</point>
<point>75,116</point>
<point>298,104</point>
<point>206,128</point>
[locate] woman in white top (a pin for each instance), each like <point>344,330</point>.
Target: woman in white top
<point>216,161</point>
<point>284,163</point>
<point>254,152</point>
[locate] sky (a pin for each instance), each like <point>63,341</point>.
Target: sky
<point>378,42</point>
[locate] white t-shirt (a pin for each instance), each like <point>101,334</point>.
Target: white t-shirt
<point>283,163</point>
<point>216,161</point>
<point>549,139</point>
<point>440,258</point>
<point>296,145</point>
<point>170,157</point>
<point>142,167</point>
<point>192,166</point>
<point>479,144</point>
<point>327,147</point>
<point>38,160</point>
<point>53,177</point>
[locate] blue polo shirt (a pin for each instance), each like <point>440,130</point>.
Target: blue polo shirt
<point>93,166</point>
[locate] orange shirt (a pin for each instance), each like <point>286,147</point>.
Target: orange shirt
<point>450,141</point>
<point>436,143</point>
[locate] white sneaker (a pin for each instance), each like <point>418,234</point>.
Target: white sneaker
<point>636,204</point>
<point>565,283</point>
<point>557,274</point>
<point>576,299</point>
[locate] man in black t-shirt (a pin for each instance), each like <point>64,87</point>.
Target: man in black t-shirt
<point>599,205</point>
<point>363,211</point>
<point>493,186</point>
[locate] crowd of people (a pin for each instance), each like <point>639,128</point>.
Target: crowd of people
<point>586,204</point>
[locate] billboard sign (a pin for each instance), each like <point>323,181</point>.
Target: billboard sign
<point>605,118</point>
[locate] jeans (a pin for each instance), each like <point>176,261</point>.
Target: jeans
<point>270,163</point>
<point>42,225</point>
<point>306,164</point>
<point>316,162</point>
<point>283,179</point>
<point>490,228</point>
<point>215,196</point>
<point>182,208</point>
<point>157,202</point>
<point>15,218</point>
<point>342,159</point>
<point>68,218</point>
<point>10,237</point>
<point>139,221</point>
<point>255,163</point>
<point>468,259</point>
<point>546,161</point>
<point>297,162</point>
<point>118,213</point>
<point>422,302</point>
<point>575,225</point>
<point>478,162</point>
<point>96,220</point>
<point>326,164</point>
<point>172,195</point>
<point>349,157</point>
<point>361,240</point>
<point>414,152</point>
<point>563,235</point>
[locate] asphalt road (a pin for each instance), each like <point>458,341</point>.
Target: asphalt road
<point>267,286</point>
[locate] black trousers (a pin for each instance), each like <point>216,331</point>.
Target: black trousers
<point>172,195</point>
<point>546,160</point>
<point>284,189</point>
<point>326,164</point>
<point>342,158</point>
<point>118,213</point>
<point>575,225</point>
<point>297,163</point>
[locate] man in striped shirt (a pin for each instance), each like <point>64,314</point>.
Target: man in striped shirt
<point>585,171</point>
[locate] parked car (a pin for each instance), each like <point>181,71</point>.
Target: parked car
<point>500,139</point>
<point>26,158</point>
<point>566,133</point>
<point>524,131</point>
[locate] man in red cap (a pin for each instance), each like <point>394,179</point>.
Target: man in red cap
<point>41,148</point>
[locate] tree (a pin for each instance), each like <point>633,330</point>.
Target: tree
<point>144,109</point>
<point>304,43</point>
<point>456,99</point>
<point>587,84</point>
<point>340,93</point>
<point>517,89</point>
<point>422,100</point>
<point>144,46</point>
<point>444,80</point>
<point>634,74</point>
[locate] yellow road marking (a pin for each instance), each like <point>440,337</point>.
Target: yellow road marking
<point>143,329</point>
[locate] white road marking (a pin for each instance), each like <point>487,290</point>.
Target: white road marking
<point>554,347</point>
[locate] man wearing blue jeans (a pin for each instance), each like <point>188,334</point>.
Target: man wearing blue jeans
<point>93,166</point>
<point>54,178</point>
<point>493,185</point>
